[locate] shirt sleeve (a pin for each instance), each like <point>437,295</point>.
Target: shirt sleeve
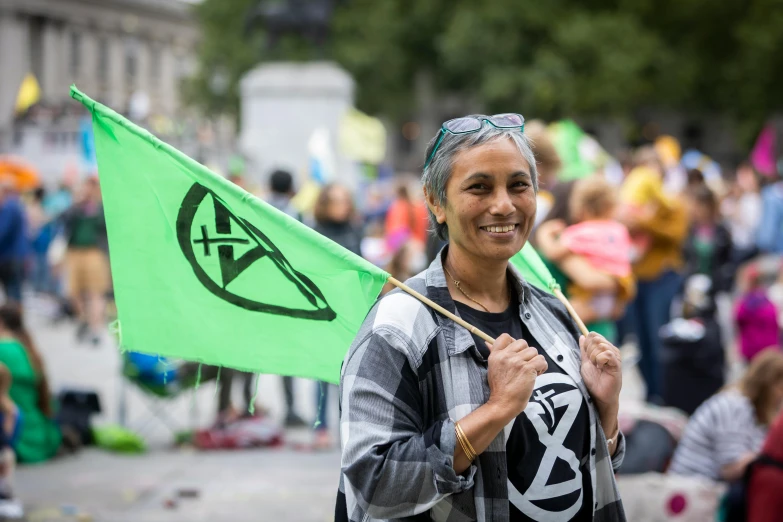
<point>732,440</point>
<point>393,465</point>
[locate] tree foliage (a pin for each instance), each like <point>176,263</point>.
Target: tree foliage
<point>550,59</point>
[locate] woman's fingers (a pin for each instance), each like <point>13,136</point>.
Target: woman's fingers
<point>607,359</point>
<point>537,363</point>
<point>593,350</point>
<point>501,343</point>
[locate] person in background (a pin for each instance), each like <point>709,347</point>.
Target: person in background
<point>756,317</point>
<point>770,231</point>
<point>13,241</point>
<point>764,501</point>
<point>708,246</point>
<point>406,223</point>
<point>548,164</point>
<point>281,190</point>
<point>726,433</point>
<point>658,227</point>
<point>335,218</point>
<point>40,437</point>
<point>10,427</point>
<point>41,232</point>
<point>606,246</point>
<point>87,260</point>
<point>744,216</point>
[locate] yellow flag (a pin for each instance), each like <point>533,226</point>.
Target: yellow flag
<point>362,137</point>
<point>29,93</point>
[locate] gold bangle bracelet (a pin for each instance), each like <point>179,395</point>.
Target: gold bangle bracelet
<point>467,447</point>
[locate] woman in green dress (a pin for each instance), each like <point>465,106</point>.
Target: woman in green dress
<point>40,436</point>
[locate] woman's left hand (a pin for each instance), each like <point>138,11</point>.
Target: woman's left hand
<point>601,371</point>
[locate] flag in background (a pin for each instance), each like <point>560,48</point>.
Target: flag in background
<point>28,95</point>
<point>205,271</point>
<point>762,157</point>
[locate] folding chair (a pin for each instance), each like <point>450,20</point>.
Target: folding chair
<point>158,387</point>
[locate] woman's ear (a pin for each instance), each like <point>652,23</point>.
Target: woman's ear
<point>434,206</point>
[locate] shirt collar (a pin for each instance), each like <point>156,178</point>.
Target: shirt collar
<point>459,339</point>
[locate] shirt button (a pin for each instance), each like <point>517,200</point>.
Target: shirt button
<point>528,315</point>
<point>559,358</point>
<point>592,452</point>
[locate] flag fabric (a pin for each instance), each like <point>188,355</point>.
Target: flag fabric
<point>762,157</point>
<point>533,269</point>
<point>206,272</point>
<point>28,95</point>
<point>362,137</point>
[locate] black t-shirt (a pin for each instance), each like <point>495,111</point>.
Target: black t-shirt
<point>548,449</point>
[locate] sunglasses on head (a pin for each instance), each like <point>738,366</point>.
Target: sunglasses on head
<point>469,124</point>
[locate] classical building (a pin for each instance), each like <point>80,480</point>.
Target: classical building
<point>129,54</point>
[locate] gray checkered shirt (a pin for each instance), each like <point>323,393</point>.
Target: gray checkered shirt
<point>408,376</point>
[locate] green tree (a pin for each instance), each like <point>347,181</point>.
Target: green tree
<point>548,59</point>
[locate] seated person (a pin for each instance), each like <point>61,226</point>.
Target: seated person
<point>39,437</point>
<point>10,423</point>
<point>764,501</point>
<point>726,433</point>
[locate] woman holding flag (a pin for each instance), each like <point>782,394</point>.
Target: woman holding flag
<point>438,424</point>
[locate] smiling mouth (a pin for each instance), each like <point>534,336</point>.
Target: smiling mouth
<point>499,229</point>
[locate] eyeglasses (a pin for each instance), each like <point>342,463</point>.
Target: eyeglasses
<point>469,124</point>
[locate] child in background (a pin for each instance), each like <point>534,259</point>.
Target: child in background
<point>756,318</point>
<point>604,242</point>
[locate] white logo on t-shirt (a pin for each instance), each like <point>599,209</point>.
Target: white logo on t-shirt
<point>542,406</point>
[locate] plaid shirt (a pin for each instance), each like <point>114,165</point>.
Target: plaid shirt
<point>409,375</point>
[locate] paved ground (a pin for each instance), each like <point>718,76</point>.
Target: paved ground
<point>232,486</point>
<point>272,484</point>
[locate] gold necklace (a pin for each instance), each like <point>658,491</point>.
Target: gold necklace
<point>456,283</point>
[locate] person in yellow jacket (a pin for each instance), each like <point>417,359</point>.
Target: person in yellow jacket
<point>658,225</point>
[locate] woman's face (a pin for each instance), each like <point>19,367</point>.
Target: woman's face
<point>490,202</point>
<point>340,205</point>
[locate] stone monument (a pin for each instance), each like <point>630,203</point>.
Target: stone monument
<point>291,111</point>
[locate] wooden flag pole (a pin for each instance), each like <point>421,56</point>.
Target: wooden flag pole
<point>472,329</point>
<point>560,297</point>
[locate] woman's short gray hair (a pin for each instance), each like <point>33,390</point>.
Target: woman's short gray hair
<point>437,174</point>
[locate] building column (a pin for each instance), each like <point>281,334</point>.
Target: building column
<point>14,34</point>
<point>143,67</point>
<point>168,79</point>
<point>116,95</point>
<point>87,79</point>
<point>54,47</point>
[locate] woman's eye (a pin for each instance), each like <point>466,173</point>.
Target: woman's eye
<point>478,186</point>
<point>521,184</point>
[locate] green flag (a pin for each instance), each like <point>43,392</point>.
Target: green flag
<point>206,272</point>
<point>533,268</point>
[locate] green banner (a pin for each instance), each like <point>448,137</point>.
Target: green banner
<point>533,269</point>
<point>206,272</point>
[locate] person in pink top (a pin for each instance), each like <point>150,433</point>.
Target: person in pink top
<point>756,318</point>
<point>603,241</point>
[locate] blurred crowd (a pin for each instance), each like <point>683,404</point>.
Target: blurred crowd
<point>680,261</point>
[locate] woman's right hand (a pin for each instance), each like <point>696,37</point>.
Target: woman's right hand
<point>512,370</point>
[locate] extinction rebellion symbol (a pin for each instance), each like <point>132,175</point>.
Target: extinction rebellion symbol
<point>223,248</point>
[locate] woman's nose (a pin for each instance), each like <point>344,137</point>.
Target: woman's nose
<point>502,204</point>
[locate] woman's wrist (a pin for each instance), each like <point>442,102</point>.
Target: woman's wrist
<point>607,414</point>
<point>500,414</point>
